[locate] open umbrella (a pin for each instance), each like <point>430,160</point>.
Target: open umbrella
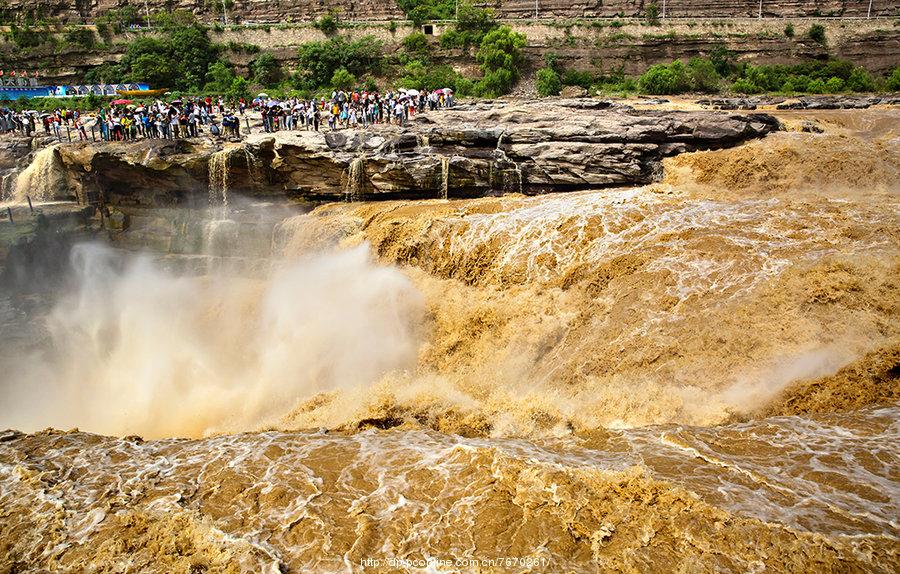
<point>413,93</point>
<point>121,102</point>
<point>175,102</point>
<point>262,95</point>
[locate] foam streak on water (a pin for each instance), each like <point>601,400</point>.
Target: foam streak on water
<point>311,501</point>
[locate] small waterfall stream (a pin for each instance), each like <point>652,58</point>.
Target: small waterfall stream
<point>43,177</point>
<point>218,178</point>
<point>445,176</point>
<point>356,180</point>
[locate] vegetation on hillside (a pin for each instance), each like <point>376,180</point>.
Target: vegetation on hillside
<point>180,55</point>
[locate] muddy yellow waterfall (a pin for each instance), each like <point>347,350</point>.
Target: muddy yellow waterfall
<point>696,371</point>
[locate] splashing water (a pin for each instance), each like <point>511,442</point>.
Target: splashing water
<point>140,350</point>
<point>43,179</point>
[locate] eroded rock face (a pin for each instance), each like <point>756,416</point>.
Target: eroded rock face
<point>472,150</point>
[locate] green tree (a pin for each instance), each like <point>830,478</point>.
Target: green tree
<point>548,83</point>
<point>239,88</point>
<point>317,61</point>
<point>416,46</point>
<point>789,31</point>
<point>662,79</point>
<point>219,78</point>
<point>421,11</point>
<point>500,56</point>
<point>471,26</point>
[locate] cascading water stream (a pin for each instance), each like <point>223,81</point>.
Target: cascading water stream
<point>43,179</point>
<point>219,164</point>
<point>356,180</point>
<point>445,176</point>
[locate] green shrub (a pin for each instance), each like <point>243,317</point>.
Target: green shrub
<point>83,37</point>
<point>219,78</point>
<point>451,39</point>
<point>577,78</point>
<point>551,60</point>
<point>421,11</point>
<point>789,31</point>
<point>266,69</point>
<point>416,45</point>
<point>744,86</point>
<point>860,81</point>
<point>342,79</point>
<point>892,82</point>
<point>703,76</point>
<point>652,15</point>
<point>25,37</point>
<point>419,75</point>
<point>548,83</point>
<point>834,85</point>
<point>816,86</point>
<point>816,33</point>
<point>471,27</point>
<point>327,23</point>
<point>662,79</point>
<point>318,61</point>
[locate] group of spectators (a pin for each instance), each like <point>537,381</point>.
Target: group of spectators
<point>123,120</point>
<point>168,120</point>
<point>349,109</point>
<point>27,123</point>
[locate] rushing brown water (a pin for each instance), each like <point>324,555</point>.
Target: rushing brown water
<point>700,375</point>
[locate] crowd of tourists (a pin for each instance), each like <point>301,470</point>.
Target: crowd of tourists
<point>123,120</point>
<point>351,109</point>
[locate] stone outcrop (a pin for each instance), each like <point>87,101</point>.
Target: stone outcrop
<point>472,150</point>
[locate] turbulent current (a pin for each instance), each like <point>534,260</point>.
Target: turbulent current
<point>698,375</point>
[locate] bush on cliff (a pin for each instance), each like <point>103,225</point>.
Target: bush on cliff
<point>471,27</point>
<point>421,11</point>
<point>816,33</point>
<point>318,61</point>
<point>342,79</point>
<point>892,82</point>
<point>548,82</point>
<point>181,60</point>
<point>665,79</point>
<point>500,56</point>
<point>266,70</point>
<point>421,76</point>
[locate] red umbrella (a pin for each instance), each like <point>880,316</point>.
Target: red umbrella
<point>121,102</point>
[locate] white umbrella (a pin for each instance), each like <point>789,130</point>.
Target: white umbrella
<point>413,92</point>
<point>262,95</point>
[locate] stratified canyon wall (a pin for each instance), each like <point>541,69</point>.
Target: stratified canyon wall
<point>300,10</point>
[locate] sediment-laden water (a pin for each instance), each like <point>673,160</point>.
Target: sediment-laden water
<point>698,375</point>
